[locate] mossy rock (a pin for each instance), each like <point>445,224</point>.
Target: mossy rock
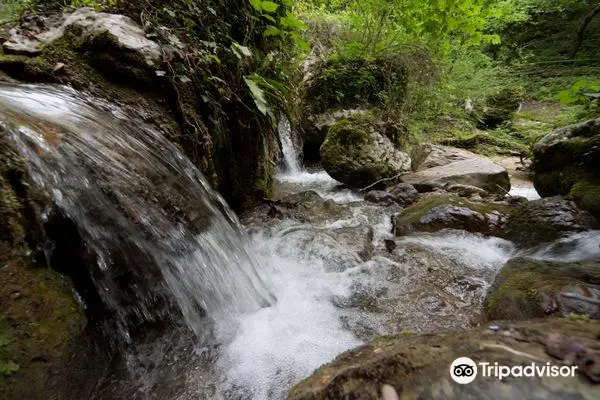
<point>566,163</point>
<point>527,288</point>
<point>437,212</point>
<point>545,220</point>
<point>417,366</point>
<point>40,321</point>
<point>500,107</point>
<point>587,196</point>
<point>356,154</point>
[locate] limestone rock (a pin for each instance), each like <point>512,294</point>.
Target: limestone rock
<point>476,171</point>
<point>30,39</point>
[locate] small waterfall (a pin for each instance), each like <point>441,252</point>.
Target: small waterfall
<point>290,155</point>
<point>155,231</point>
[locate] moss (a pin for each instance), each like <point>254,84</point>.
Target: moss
<point>355,81</point>
<point>410,217</point>
<point>38,314</point>
<point>587,196</point>
<point>524,288</point>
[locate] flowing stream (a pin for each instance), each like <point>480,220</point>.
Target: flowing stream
<point>278,301</point>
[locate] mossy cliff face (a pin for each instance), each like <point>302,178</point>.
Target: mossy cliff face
<point>566,163</point>
<point>342,85</point>
<point>40,322</point>
<point>199,103</point>
<point>527,288</point>
<point>417,367</point>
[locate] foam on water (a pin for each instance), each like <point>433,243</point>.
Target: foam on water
<point>280,345</point>
<point>322,183</point>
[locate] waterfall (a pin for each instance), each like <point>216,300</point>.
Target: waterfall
<point>290,155</point>
<point>153,229</point>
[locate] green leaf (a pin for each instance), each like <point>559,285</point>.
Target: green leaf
<point>8,368</point>
<point>241,51</point>
<point>184,79</point>
<point>256,4</point>
<point>269,6</point>
<point>272,31</point>
<point>258,95</point>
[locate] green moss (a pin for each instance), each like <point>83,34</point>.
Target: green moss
<point>523,287</point>
<point>355,81</point>
<point>587,196</point>
<point>415,212</point>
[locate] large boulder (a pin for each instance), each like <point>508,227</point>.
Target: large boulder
<point>440,165</point>
<point>314,128</point>
<point>429,155</point>
<point>528,288</point>
<point>356,154</point>
<point>565,162</point>
<point>417,367</point>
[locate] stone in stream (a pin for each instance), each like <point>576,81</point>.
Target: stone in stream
<point>356,154</point>
<point>528,288</point>
<point>545,220</point>
<point>527,223</point>
<point>438,212</point>
<point>476,171</point>
<point>565,162</point>
<point>418,367</point>
<point>403,194</point>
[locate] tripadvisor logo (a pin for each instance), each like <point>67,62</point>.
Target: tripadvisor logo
<point>463,370</point>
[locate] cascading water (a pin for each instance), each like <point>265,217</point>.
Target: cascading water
<point>146,215</point>
<point>290,154</point>
<point>156,232</point>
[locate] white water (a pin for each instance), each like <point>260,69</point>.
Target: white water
<point>156,231</point>
<point>429,282</point>
<point>290,155</point>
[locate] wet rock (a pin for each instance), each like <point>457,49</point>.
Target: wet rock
<point>528,288</point>
<point>476,171</point>
<point>450,212</point>
<point>419,285</point>
<point>465,190</point>
<point>358,237</point>
<point>417,367</point>
<point>565,162</point>
<point>307,207</point>
<point>545,220</point>
<point>356,154</point>
<point>405,194</point>
<point>428,187</point>
<point>380,196</point>
<point>124,33</point>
